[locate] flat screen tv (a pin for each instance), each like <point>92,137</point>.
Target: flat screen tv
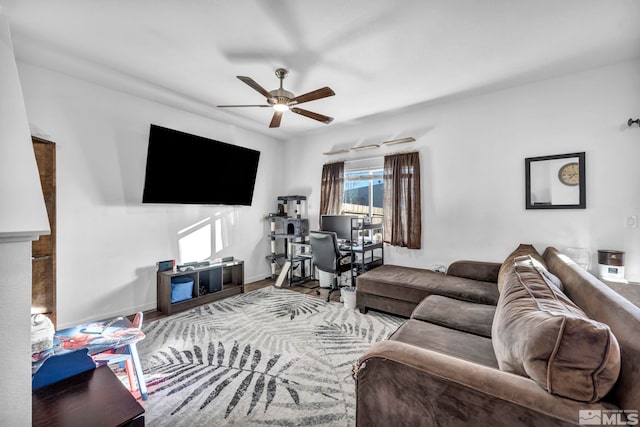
<point>190,169</point>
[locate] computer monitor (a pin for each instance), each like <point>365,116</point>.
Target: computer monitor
<point>339,224</point>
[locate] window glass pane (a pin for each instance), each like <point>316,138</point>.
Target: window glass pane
<point>363,192</point>
<point>378,188</point>
<point>356,197</point>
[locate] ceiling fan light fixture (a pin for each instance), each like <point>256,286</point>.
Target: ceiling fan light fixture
<point>280,107</point>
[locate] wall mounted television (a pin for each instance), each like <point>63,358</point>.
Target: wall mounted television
<point>189,169</point>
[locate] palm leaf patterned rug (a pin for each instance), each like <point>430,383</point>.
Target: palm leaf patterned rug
<point>268,357</point>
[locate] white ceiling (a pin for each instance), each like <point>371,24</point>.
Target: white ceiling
<point>377,55</point>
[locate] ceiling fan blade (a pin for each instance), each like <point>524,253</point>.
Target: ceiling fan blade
<point>315,116</point>
<point>275,120</point>
<point>312,96</point>
<point>252,105</point>
<point>255,86</point>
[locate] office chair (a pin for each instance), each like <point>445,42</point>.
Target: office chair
<point>326,255</point>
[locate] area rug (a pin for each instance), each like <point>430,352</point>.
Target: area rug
<point>268,357</point>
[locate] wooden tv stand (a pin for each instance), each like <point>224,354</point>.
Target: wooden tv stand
<point>211,283</point>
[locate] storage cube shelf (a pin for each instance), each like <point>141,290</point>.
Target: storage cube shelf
<point>207,284</point>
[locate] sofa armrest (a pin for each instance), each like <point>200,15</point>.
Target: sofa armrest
<point>397,383</point>
<point>475,270</point>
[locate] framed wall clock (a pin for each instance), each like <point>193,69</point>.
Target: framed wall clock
<point>555,182</point>
<point>569,174</point>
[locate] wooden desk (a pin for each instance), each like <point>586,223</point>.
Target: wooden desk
<point>94,398</point>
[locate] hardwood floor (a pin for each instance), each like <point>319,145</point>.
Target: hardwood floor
<point>308,288</point>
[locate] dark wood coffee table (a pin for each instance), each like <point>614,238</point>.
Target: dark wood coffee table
<point>94,398</point>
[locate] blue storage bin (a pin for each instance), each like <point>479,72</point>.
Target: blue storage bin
<point>181,288</point>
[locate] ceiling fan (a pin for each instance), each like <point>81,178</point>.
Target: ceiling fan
<point>282,100</point>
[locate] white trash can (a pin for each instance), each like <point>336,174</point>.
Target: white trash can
<point>325,279</point>
<point>349,297</point>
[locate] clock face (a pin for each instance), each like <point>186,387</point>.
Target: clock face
<point>569,174</point>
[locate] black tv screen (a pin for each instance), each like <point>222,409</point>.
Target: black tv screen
<point>190,169</point>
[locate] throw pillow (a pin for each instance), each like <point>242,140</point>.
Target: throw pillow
<point>551,278</point>
<point>539,332</point>
<point>507,266</point>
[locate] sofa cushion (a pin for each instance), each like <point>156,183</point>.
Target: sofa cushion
<point>508,265</point>
<point>455,314</point>
<point>454,343</point>
<point>476,270</point>
<point>542,269</point>
<point>540,333</point>
<point>414,284</point>
<point>551,278</point>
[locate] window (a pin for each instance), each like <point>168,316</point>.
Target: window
<point>363,192</point>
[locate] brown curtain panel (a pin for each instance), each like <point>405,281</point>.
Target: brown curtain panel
<point>401,201</point>
<point>331,189</point>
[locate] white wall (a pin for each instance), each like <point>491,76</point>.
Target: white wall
<point>472,153</point>
<point>23,210</point>
<point>22,218</point>
<point>15,294</point>
<point>108,241</point>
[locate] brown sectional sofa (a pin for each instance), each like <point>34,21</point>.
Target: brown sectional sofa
<point>534,341</point>
<point>399,290</point>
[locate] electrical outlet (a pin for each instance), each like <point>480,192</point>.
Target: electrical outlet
<point>632,222</point>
